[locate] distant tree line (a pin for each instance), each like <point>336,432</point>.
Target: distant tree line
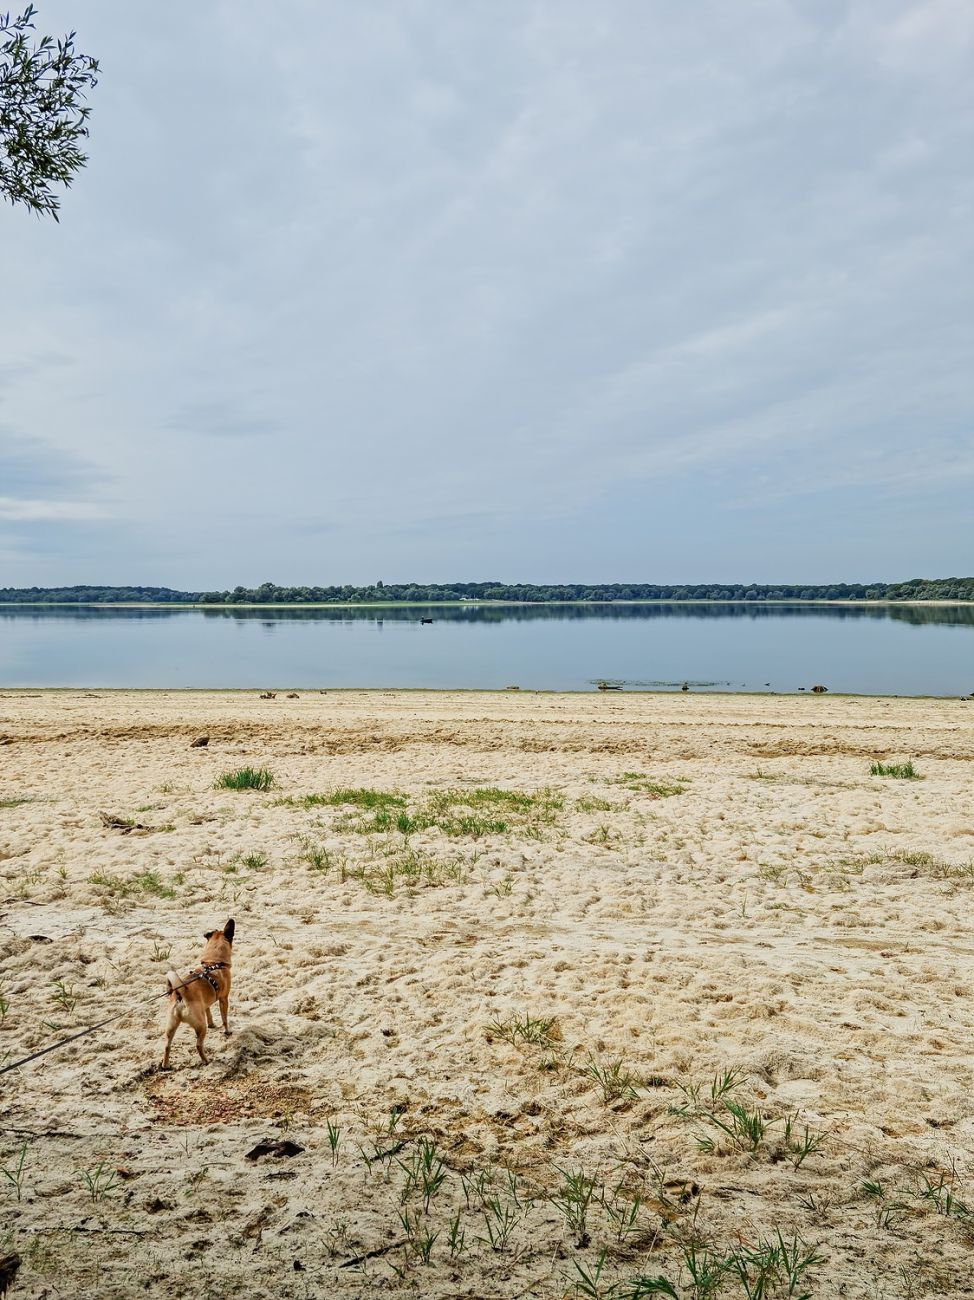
<point>527,593</point>
<point>95,595</point>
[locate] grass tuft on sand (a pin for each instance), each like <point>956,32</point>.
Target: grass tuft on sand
<point>245,778</point>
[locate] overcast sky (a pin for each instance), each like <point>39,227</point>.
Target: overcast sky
<point>589,290</point>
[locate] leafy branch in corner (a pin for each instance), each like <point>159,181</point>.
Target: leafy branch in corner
<point>43,118</point>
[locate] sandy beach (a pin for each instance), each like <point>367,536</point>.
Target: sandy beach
<point>541,988</point>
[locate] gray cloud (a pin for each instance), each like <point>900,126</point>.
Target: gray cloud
<point>510,288</point>
<point>219,418</point>
<point>31,468</point>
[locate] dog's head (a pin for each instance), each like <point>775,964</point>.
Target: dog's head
<point>219,943</point>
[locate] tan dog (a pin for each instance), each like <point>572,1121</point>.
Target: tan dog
<point>191,997</point>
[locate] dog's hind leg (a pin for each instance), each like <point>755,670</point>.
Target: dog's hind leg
<point>175,1019</point>
<point>196,1015</point>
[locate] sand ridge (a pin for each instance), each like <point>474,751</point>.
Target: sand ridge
<point>690,885</point>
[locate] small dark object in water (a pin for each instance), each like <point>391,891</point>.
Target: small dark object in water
<point>801,688</point>
<point>512,688</point>
<point>819,690</point>
<point>685,686</point>
<point>426,620</point>
<point>609,686</point>
<point>200,742</point>
<point>268,695</point>
<point>274,1147</point>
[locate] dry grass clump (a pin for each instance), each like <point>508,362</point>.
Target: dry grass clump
<point>455,813</point>
<point>541,1031</point>
<point>643,784</point>
<point>388,865</point>
<point>591,803</point>
<point>346,797</point>
<point>143,884</point>
<point>924,864</point>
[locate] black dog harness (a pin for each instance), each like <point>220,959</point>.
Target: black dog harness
<point>204,973</point>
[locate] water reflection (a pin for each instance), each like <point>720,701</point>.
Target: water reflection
<point>869,649</point>
<point>917,615</point>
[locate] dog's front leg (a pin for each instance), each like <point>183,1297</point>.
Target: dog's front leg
<point>210,1022</point>
<point>224,1004</point>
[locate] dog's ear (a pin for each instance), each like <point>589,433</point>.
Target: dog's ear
<point>208,934</point>
<point>228,930</point>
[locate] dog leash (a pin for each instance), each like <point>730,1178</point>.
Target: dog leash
<point>92,1028</point>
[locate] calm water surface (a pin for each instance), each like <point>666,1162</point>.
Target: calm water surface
<point>889,650</point>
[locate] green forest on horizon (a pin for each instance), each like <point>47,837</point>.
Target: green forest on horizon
<point>526,593</point>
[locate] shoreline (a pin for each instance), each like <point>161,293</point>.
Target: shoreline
<point>446,604</point>
<point>490,691</point>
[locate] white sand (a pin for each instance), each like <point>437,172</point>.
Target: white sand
<point>764,920</point>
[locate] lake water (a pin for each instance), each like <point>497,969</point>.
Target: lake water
<point>886,650</point>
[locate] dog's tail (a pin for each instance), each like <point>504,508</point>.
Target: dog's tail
<point>173,982</point>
